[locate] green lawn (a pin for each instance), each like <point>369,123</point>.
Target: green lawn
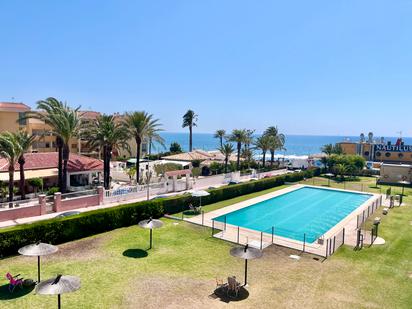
<point>117,271</point>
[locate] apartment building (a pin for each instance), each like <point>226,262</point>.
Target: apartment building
<point>12,119</point>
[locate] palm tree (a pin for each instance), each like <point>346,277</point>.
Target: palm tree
<point>238,136</point>
<point>226,150</point>
<point>264,143</point>
<point>328,149</point>
<point>153,137</point>
<point>220,134</point>
<point>10,150</point>
<point>107,134</point>
<point>189,120</point>
<point>65,123</point>
<point>139,125</point>
<point>25,141</point>
<point>278,144</point>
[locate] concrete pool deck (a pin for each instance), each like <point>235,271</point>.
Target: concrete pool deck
<point>343,232</point>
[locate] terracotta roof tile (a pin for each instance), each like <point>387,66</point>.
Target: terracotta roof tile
<point>44,160</point>
<point>10,106</point>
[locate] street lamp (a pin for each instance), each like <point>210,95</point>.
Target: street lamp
<point>148,177</point>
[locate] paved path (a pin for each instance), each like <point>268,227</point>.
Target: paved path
<point>200,184</point>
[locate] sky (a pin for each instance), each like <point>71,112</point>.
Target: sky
<point>309,67</point>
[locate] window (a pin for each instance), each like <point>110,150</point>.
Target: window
<point>400,155</point>
<point>22,120</point>
<point>387,154</point>
<point>366,153</point>
<point>378,154</point>
<point>47,145</point>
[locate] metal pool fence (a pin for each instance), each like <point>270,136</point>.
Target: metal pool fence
<point>304,242</point>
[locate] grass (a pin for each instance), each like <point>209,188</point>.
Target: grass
<point>117,270</point>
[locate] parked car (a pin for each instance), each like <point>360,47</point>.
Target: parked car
<point>68,214</point>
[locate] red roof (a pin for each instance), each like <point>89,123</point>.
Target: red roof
<point>45,160</point>
<point>178,173</point>
<point>10,106</point>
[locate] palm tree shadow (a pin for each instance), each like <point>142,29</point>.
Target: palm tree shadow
<point>5,294</point>
<point>135,253</point>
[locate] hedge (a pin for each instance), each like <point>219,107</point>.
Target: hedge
<point>56,231</point>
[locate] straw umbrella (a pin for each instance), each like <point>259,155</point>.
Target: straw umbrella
<point>246,253</point>
<point>150,224</point>
<point>199,194</point>
<point>329,175</point>
<point>38,249</point>
<point>57,286</point>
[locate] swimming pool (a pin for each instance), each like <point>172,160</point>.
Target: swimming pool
<point>305,213</point>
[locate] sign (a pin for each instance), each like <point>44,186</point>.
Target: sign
<point>393,148</point>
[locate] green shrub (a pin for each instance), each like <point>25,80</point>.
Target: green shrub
<point>58,231</point>
<point>52,190</point>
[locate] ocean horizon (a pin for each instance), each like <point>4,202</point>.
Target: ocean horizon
<point>294,144</point>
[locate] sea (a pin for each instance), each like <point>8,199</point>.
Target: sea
<point>295,144</point>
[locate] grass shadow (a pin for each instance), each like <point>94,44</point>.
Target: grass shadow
<point>135,253</point>
<point>18,292</point>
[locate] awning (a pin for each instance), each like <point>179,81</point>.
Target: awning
<point>49,172</point>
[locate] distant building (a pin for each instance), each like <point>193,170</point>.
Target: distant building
<point>81,169</point>
<point>379,151</point>
<point>12,119</point>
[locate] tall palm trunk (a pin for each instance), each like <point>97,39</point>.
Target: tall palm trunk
<point>22,183</point>
<point>105,167</point>
<point>264,159</point>
<point>190,138</point>
<point>59,144</point>
<point>150,148</point>
<point>138,143</point>
<point>66,155</point>
<point>11,185</point>
<point>221,142</point>
<point>226,161</point>
<point>108,155</point>
<point>239,148</point>
<point>272,157</point>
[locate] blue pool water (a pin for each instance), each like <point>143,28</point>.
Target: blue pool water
<point>310,211</point>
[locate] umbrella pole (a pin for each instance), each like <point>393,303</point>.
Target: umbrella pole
<point>38,268</point>
<point>245,272</point>
<point>403,189</point>
<point>151,231</point>
<point>58,301</point>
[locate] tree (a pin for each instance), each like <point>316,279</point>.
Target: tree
<point>10,149</point>
<point>175,148</point>
<point>264,143</point>
<point>189,120</point>
<point>25,141</point>
<point>277,144</point>
<point>153,136</point>
<point>36,183</point>
<point>238,136</point>
<point>226,150</point>
<point>108,134</point>
<point>65,123</point>
<point>340,169</point>
<point>139,124</point>
<point>220,134</point>
<point>327,149</point>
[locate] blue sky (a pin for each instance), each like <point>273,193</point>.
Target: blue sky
<point>310,67</point>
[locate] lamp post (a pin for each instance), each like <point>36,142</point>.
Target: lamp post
<point>148,177</point>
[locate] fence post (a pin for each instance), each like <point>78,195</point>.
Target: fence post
<point>327,244</point>
<point>183,212</point>
<point>225,224</point>
<point>213,227</point>
<point>334,242</point>
<point>343,236</point>
<point>273,232</point>
<point>238,230</point>
<point>203,217</point>
<point>304,241</point>
<point>261,240</point>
